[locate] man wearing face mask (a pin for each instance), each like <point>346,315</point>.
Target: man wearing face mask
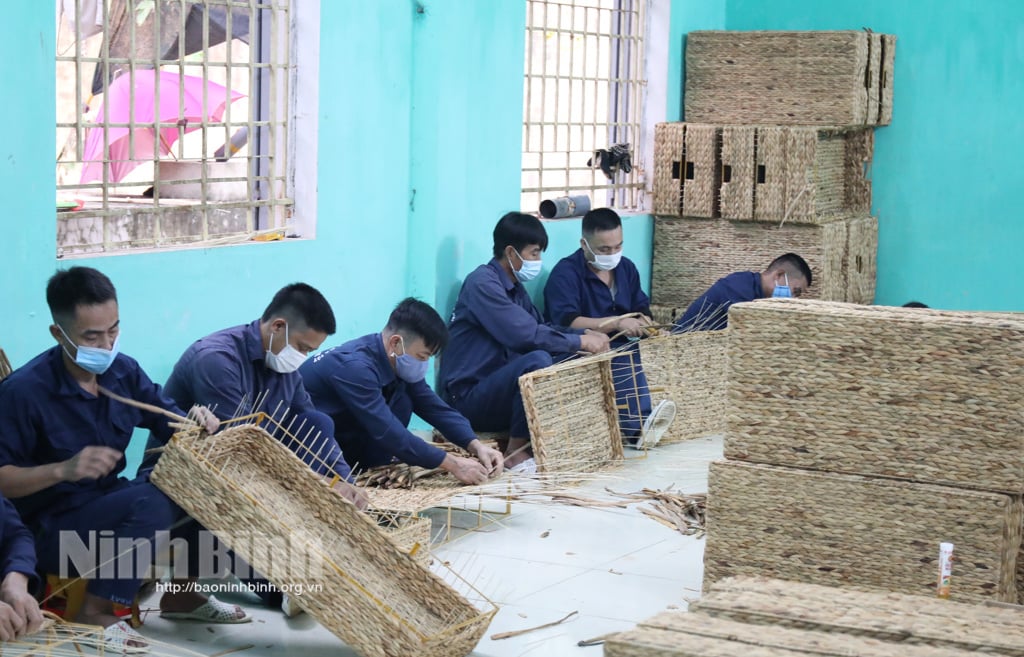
<point>497,335</point>
<point>62,444</point>
<point>254,367</point>
<point>372,385</point>
<point>786,276</point>
<point>591,289</point>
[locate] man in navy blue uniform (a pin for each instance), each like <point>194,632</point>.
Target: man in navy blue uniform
<point>372,385</point>
<point>595,288</point>
<point>786,276</point>
<point>62,446</point>
<point>497,335</point>
<point>254,367</point>
<point>19,611</point>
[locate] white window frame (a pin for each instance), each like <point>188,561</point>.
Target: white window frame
<point>292,211</point>
<point>651,101</point>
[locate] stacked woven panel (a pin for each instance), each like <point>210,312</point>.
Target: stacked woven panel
<point>691,254</point>
<point>853,455</point>
<point>778,174</point>
<point>765,617</point>
<point>789,78</point>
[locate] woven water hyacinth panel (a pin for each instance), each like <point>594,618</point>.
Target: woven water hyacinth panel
<point>834,529</point>
<point>572,415</point>
<point>242,483</point>
<point>672,634</point>
<point>844,611</point>
<point>924,395</point>
<point>691,254</point>
<point>789,78</point>
<point>689,369</point>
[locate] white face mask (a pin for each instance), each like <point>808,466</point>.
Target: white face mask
<point>530,269</point>
<point>604,262</point>
<point>288,360</point>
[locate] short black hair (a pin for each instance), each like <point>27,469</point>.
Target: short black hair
<point>519,231</point>
<point>413,317</point>
<point>302,304</point>
<point>793,261</point>
<point>914,304</point>
<point>601,219</point>
<point>78,286</point>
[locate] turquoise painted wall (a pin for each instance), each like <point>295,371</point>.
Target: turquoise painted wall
<point>947,173</point>
<point>687,16</point>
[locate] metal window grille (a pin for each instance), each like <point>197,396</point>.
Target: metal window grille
<point>584,90</point>
<point>172,123</point>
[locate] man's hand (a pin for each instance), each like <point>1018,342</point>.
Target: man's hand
<point>468,471</point>
<point>205,418</point>
<point>492,459</point>
<point>353,494</point>
<point>633,327</point>
<point>91,463</point>
<point>19,611</point>
<point>594,342</point>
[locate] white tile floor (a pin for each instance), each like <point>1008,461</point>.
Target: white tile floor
<point>614,567</point>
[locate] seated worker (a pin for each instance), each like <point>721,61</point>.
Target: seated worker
<point>62,446</point>
<point>19,611</point>
<point>497,335</point>
<point>590,289</point>
<point>254,367</point>
<point>787,276</point>
<point>914,304</point>
<point>372,385</point>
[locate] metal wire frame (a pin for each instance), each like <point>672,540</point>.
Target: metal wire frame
<point>116,220</point>
<point>584,88</point>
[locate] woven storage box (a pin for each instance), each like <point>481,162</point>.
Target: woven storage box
<point>691,254</point>
<point>675,634</point>
<point>927,395</point>
<point>375,598</point>
<point>861,259</point>
<point>572,415</point>
<point>686,170</point>
<point>789,78</point>
<point>826,528</point>
<point>689,369</point>
<point>738,172</point>
<point>903,619</point>
<point>804,175</point>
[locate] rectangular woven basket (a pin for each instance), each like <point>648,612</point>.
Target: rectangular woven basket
<point>572,415</point>
<point>689,369</point>
<point>686,170</point>
<point>925,395</point>
<point>691,254</point>
<point>374,597</point>
<point>834,529</point>
<point>904,620</point>
<point>680,634</point>
<point>777,174</point>
<point>789,78</point>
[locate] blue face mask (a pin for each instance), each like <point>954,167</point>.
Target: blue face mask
<point>783,290</point>
<point>93,359</point>
<point>529,271</point>
<point>409,368</point>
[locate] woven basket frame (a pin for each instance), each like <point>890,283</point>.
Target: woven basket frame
<point>918,394</point>
<point>572,415</point>
<point>690,369</point>
<point>815,527</point>
<point>789,78</point>
<point>904,620</point>
<point>375,598</point>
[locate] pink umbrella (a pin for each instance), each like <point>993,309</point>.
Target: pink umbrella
<point>189,112</point>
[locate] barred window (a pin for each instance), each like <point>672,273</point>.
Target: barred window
<point>172,123</point>
<point>583,101</point>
